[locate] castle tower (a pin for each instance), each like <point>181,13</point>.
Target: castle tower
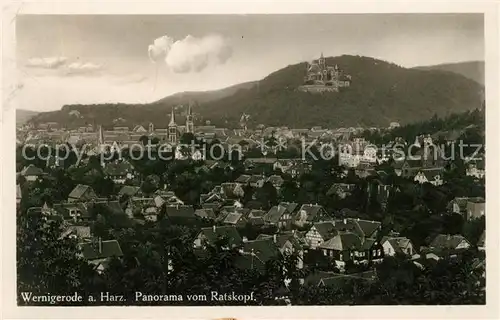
<point>321,61</point>
<point>151,128</point>
<point>189,120</point>
<point>172,129</point>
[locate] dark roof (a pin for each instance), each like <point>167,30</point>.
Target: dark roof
<point>129,190</point>
<point>312,210</point>
<point>264,249</point>
<point>211,234</point>
<point>207,213</point>
<point>112,207</point>
<point>343,241</point>
<point>180,211</point>
<point>446,241</point>
<point>326,229</point>
<point>109,248</point>
<point>79,191</point>
<point>118,168</point>
<point>31,170</point>
<point>276,212</point>
<point>244,178</point>
<point>276,179</point>
<point>63,209</point>
<point>233,218</point>
<point>341,187</point>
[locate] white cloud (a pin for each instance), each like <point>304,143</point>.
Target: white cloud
<point>46,63</point>
<point>190,54</point>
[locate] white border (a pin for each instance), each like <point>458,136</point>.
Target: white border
<point>7,158</point>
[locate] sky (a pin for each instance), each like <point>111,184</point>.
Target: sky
<point>70,59</point>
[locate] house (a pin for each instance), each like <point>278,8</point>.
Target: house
<point>308,214</point>
<point>406,168</point>
<point>432,176</point>
<point>256,217</point>
<point>229,190</point>
<point>79,232</point>
<point>142,207</point>
<point>341,190</point>
<point>281,215</point>
<point>19,195</point>
<point>119,171</point>
<point>207,214</point>
<point>476,169</point>
<point>180,213</point>
<point>31,173</point>
<point>236,218</point>
<point>458,205</point>
<point>99,253</point>
<point>475,208</point>
<point>129,191</point>
<point>255,254</point>
<point>348,246</point>
<point>211,235</point>
<point>276,180</point>
<point>394,245</point>
<point>243,179</point>
<point>320,232</point>
<point>257,181</point>
<point>288,243</point>
<point>82,193</point>
<point>446,242</point>
<point>73,211</point>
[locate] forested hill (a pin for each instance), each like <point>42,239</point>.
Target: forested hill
<point>380,93</point>
<point>473,70</point>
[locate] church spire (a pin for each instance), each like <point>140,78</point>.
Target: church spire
<point>101,136</point>
<point>189,120</point>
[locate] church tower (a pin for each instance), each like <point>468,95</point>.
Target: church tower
<point>100,140</point>
<point>172,129</point>
<point>189,120</point>
<point>151,128</point>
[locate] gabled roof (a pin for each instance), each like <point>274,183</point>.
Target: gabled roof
<point>446,241</point>
<point>232,218</point>
<point>211,234</point>
<point>79,191</point>
<point>276,212</point>
<point>326,229</point>
<point>129,190</point>
<point>244,178</point>
<point>109,248</point>
<point>180,211</point>
<point>340,187</point>
<point>397,243</point>
<point>207,213</point>
<point>31,170</point>
<point>264,249</point>
<point>312,210</point>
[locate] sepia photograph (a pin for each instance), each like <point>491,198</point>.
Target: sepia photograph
<point>305,159</point>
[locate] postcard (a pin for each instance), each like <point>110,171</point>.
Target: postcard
<point>271,156</point>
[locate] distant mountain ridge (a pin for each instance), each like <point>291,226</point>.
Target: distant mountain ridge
<point>23,116</point>
<point>380,92</point>
<point>473,70</point>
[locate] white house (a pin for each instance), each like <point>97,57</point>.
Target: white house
<point>432,176</point>
<point>393,245</point>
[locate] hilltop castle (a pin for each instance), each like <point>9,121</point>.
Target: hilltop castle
<point>321,77</point>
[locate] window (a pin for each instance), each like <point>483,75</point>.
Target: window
<point>325,252</point>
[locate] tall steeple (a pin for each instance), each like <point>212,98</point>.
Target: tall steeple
<point>101,136</point>
<point>189,120</point>
<point>172,129</point>
<point>172,119</point>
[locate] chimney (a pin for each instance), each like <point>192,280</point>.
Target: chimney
<point>100,245</point>
<point>275,238</point>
